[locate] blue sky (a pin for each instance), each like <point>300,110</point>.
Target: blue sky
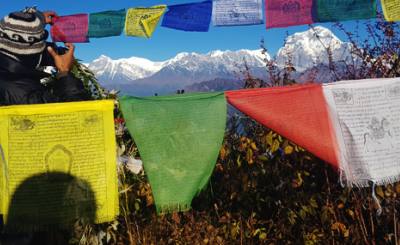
<point>165,42</point>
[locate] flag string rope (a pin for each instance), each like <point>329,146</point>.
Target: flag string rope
<point>197,16</point>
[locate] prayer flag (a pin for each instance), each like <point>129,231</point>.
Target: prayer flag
<point>237,12</point>
<point>142,22</point>
<point>71,29</point>
<point>366,119</point>
<point>391,9</point>
<point>189,17</point>
<point>354,125</point>
<point>298,113</point>
<point>106,24</point>
<point>341,10</point>
<point>179,138</point>
<point>282,13</point>
<point>59,164</point>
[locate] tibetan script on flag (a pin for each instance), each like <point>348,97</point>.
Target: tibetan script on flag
<point>58,163</point>
<point>71,29</point>
<point>341,10</point>
<point>366,118</point>
<point>142,22</point>
<point>282,13</point>
<point>391,9</point>
<point>189,17</point>
<point>106,24</point>
<point>237,12</point>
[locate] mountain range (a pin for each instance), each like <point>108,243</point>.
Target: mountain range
<point>222,70</point>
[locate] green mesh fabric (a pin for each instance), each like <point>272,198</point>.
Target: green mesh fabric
<point>179,138</point>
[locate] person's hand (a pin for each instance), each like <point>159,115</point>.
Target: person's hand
<point>63,62</point>
<point>49,17</point>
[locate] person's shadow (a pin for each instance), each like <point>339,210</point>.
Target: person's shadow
<point>47,205</point>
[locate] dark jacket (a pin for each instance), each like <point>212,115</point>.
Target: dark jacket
<point>21,85</point>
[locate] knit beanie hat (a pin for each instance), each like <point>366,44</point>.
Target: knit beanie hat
<point>23,33</point>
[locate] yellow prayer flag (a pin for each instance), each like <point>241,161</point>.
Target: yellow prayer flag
<point>59,164</point>
<point>391,9</point>
<point>142,22</point>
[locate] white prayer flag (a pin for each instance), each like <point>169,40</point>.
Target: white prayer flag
<point>237,12</point>
<point>366,120</point>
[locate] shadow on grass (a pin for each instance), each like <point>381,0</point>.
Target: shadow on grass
<point>45,206</point>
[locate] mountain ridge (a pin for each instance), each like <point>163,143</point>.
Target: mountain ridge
<point>304,50</point>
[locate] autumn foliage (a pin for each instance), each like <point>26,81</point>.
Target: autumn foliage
<point>265,189</point>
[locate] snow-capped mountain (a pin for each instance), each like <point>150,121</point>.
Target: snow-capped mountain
<point>307,49</point>
<point>188,68</point>
<point>144,77</point>
<point>124,69</point>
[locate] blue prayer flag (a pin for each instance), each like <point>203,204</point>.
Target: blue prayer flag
<point>189,17</point>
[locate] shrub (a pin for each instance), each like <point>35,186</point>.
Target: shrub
<point>265,189</point>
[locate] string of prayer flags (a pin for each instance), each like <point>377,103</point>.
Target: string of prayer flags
<point>71,29</point>
<point>350,124</point>
<point>237,12</point>
<point>298,113</point>
<point>189,17</point>
<point>283,13</point>
<point>342,10</point>
<point>391,9</point>
<point>59,164</point>
<point>179,138</point>
<point>142,22</point>
<point>107,23</point>
<point>365,115</point>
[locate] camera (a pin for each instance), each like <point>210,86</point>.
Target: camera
<point>47,59</point>
<point>59,50</point>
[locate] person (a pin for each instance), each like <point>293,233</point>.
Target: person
<point>23,49</point>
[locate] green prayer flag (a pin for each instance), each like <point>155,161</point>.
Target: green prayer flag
<point>342,10</point>
<point>179,138</point>
<point>107,23</point>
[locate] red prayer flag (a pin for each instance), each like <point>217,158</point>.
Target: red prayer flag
<point>282,13</point>
<point>299,113</point>
<point>71,29</point>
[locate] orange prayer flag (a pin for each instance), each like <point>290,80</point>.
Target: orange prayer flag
<point>298,113</point>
